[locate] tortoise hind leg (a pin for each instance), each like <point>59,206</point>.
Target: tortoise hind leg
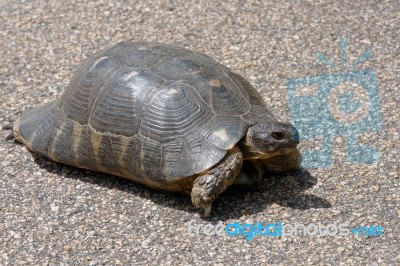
<point>8,127</point>
<point>207,187</point>
<point>10,136</point>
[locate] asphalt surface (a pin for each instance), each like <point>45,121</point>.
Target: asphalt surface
<point>51,214</point>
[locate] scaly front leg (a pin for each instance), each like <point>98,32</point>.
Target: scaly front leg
<point>209,186</point>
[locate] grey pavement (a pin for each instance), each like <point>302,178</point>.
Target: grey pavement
<point>51,214</point>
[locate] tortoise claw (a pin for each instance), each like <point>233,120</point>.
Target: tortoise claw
<point>207,210</point>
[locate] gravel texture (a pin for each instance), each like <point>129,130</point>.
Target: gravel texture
<point>51,214</point>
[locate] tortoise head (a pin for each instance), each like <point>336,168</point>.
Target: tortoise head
<point>264,140</point>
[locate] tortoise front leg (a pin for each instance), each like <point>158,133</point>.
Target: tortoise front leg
<point>208,187</point>
<point>284,162</point>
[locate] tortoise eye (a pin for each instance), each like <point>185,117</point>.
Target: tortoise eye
<point>278,135</point>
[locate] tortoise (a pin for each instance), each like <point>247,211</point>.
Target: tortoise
<point>163,116</point>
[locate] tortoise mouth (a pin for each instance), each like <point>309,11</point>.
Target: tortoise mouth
<point>265,155</point>
<point>288,147</point>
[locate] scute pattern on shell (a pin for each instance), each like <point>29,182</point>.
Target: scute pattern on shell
<point>151,112</point>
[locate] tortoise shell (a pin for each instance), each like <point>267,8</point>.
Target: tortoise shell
<point>150,112</point>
